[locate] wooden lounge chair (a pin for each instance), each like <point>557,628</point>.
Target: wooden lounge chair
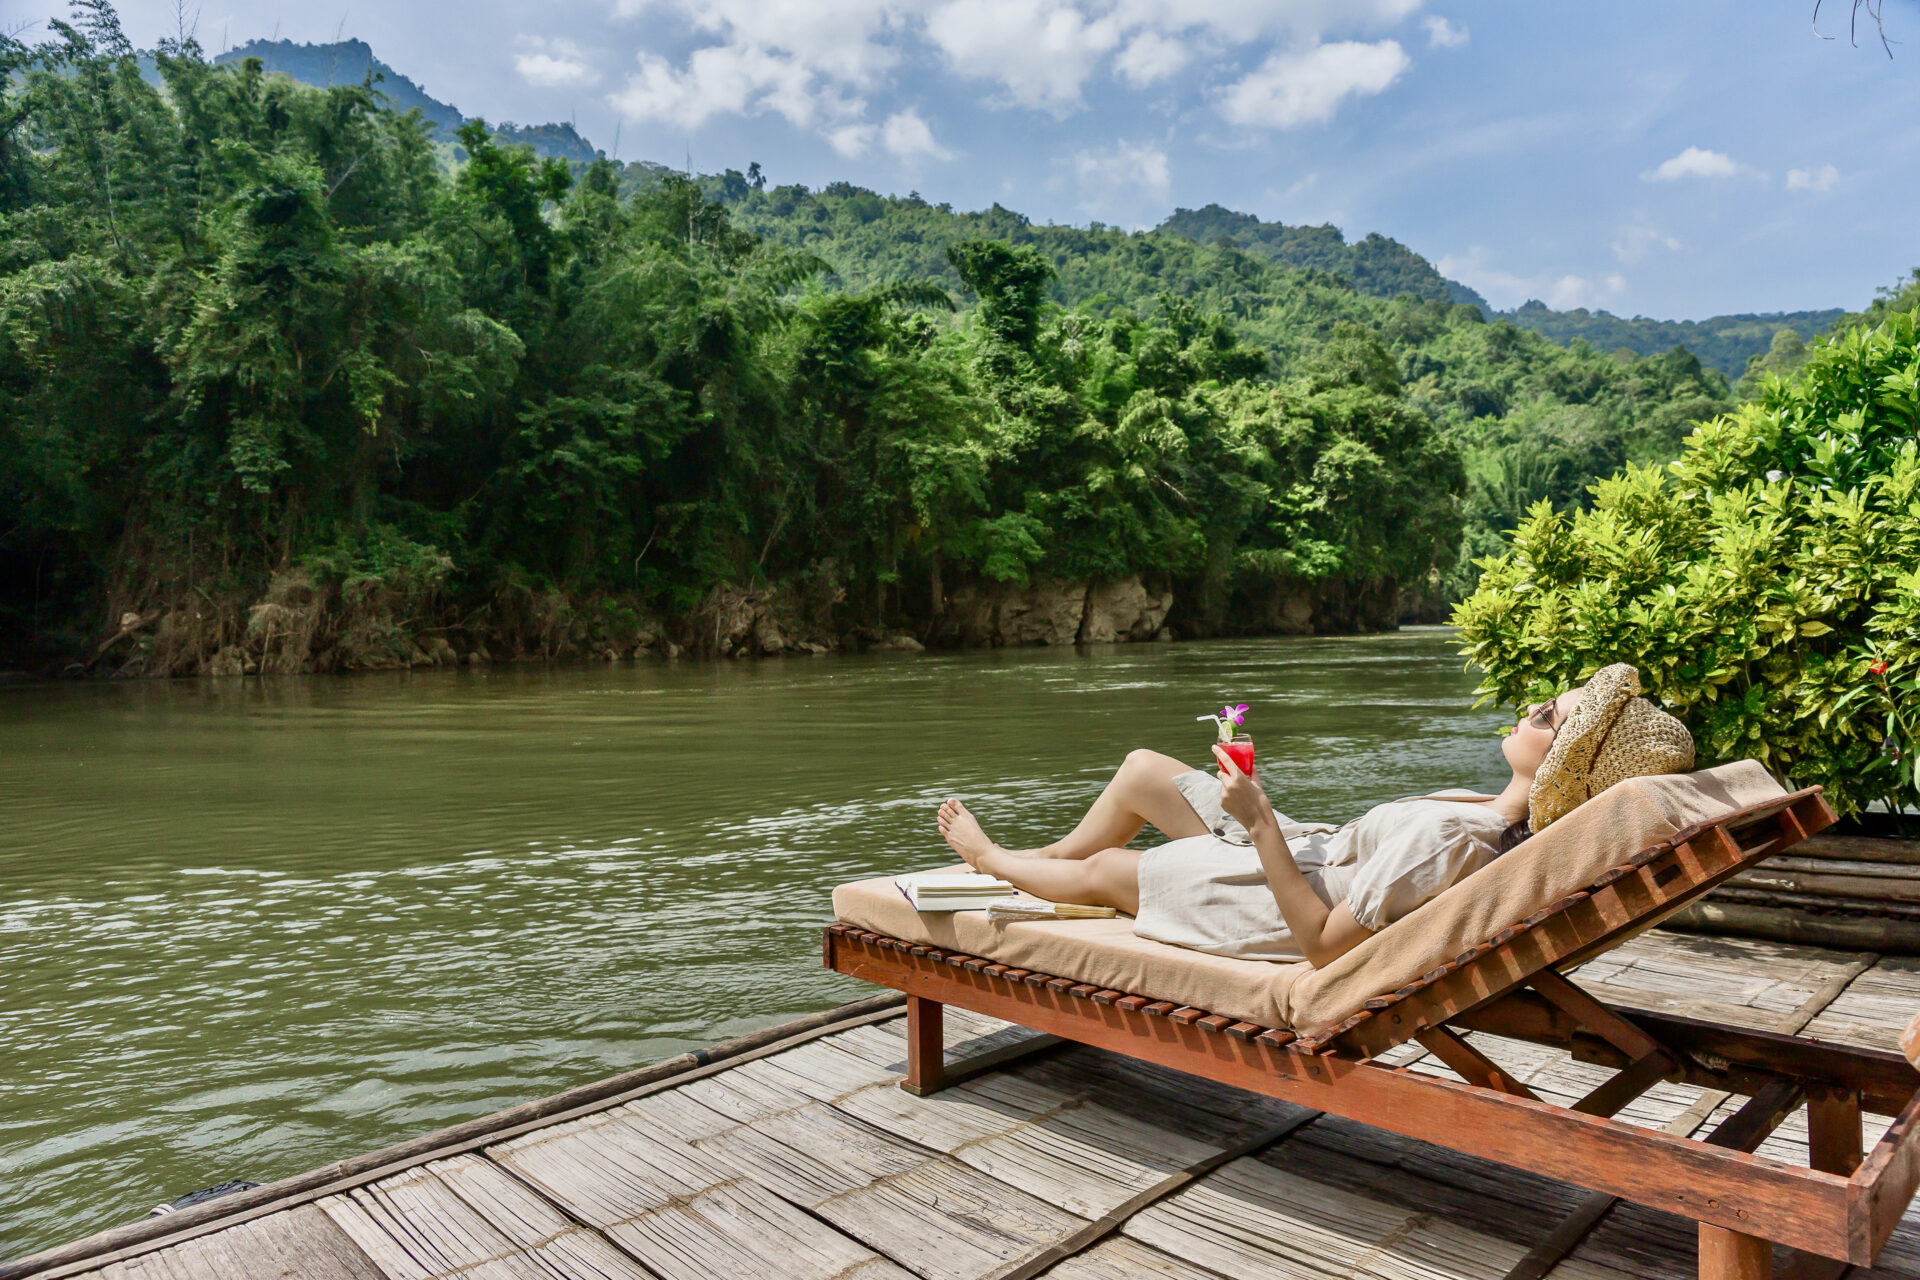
<point>1840,1209</point>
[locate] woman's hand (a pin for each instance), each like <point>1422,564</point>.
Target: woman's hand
<point>1241,796</point>
<point>1323,936</point>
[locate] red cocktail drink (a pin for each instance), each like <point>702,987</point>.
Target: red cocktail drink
<point>1238,746</point>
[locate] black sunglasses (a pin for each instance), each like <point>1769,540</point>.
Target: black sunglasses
<point>1542,717</point>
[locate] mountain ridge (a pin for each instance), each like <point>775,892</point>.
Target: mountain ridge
<point>351,61</point>
<point>1724,341</point>
<point>1383,267</point>
<point>1376,265</point>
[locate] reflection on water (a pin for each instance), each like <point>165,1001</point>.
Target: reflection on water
<point>252,926</point>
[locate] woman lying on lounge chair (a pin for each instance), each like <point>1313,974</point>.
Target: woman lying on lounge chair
<point>1238,879</point>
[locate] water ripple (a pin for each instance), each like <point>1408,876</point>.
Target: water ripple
<point>252,926</point>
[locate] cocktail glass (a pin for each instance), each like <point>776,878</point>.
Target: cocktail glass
<point>1240,750</point>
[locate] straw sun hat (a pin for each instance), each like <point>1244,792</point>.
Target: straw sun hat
<point>1611,736</point>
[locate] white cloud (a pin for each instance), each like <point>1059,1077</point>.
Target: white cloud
<point>1694,162</point>
<point>1308,86</point>
<point>1507,289</point>
<point>1041,51</point>
<point>1122,175</point>
<point>909,137</point>
<point>1241,21</point>
<point>1821,179</point>
<point>816,61</point>
<point>553,64</point>
<point>1635,242</point>
<point>730,80</point>
<point>851,139</point>
<point>804,61</point>
<point>847,41</point>
<point>1442,34</point>
<point>658,92</point>
<point>550,72</point>
<point>1571,291</point>
<point>1150,56</point>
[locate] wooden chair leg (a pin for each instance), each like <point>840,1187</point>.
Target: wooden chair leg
<point>1811,1266</point>
<point>1733,1255</point>
<point>1833,1146</point>
<point>926,1046</point>
<point>1833,1130</point>
<point>1472,1066</point>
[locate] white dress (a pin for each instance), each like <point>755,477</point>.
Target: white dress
<point>1210,892</point>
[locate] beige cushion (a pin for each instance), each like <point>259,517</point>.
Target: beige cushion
<point>1103,952</point>
<point>1569,855</point>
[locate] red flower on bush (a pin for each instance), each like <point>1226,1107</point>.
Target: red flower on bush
<point>1879,668</point>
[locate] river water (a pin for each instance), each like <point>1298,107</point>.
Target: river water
<point>253,926</point>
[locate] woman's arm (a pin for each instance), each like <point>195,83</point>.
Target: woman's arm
<point>1323,935</point>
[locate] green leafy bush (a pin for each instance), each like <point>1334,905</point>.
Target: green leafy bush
<point>1759,583</point>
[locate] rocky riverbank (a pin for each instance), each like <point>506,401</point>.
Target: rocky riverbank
<point>302,626</point>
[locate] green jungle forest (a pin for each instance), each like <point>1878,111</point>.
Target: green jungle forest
<point>292,381</point>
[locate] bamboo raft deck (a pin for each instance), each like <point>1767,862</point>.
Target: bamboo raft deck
<point>798,1156</point>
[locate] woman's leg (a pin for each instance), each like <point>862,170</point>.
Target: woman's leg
<point>1141,793</point>
<point>1109,878</point>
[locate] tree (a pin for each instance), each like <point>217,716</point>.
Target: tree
<point>1765,584</point>
<point>1011,283</point>
<point>275,381</point>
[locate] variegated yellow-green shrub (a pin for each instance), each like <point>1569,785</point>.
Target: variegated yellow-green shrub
<point>1758,583</point>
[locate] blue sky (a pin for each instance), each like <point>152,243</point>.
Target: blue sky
<point>1677,161</point>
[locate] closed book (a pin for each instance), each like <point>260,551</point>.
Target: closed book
<point>952,891</point>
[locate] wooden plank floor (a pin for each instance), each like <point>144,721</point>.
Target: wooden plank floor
<point>811,1163</point>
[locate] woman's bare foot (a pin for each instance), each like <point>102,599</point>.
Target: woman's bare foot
<point>962,830</point>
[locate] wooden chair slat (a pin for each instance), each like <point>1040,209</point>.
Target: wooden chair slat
<point>1473,953</point>
<point>1610,875</point>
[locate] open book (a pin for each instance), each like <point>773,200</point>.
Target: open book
<point>1022,907</point>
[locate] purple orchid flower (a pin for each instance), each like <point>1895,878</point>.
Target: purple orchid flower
<point>1227,719</point>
